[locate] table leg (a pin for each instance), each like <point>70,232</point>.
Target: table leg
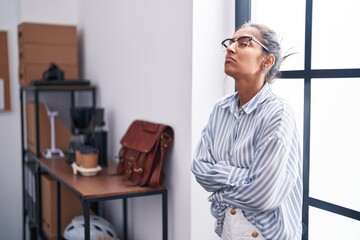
<point>86,209</point>
<point>165,214</point>
<point>125,217</point>
<point>58,210</point>
<point>38,216</point>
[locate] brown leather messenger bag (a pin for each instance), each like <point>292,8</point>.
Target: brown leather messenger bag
<point>145,146</point>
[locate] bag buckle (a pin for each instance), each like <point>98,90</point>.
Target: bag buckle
<point>165,139</point>
<point>138,170</point>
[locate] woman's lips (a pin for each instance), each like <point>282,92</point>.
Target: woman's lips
<point>229,59</point>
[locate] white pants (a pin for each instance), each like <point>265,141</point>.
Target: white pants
<point>237,227</point>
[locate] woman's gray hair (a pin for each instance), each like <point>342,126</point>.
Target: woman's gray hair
<point>269,38</point>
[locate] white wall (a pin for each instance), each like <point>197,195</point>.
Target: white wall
<point>139,54</point>
<point>211,25</point>
<point>48,11</point>
<point>12,12</point>
<point>10,160</point>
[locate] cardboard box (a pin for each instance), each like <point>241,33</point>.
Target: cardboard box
<point>43,44</point>
<point>59,54</point>
<point>62,133</point>
<point>46,33</point>
<point>70,206</point>
<point>48,198</point>
<point>31,72</point>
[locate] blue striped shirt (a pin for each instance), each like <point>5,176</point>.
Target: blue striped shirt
<point>250,158</point>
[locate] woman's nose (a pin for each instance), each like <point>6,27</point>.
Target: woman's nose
<point>231,47</point>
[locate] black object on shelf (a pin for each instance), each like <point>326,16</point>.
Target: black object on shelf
<point>60,82</point>
<point>100,142</point>
<point>53,73</point>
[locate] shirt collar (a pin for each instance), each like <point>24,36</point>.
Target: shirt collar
<point>231,102</point>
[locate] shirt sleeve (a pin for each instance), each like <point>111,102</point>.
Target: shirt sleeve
<point>212,174</point>
<point>272,174</point>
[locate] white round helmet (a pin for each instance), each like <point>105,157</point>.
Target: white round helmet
<point>99,227</point>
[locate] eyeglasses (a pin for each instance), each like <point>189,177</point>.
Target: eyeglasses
<point>242,42</point>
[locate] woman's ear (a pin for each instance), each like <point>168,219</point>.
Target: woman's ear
<point>269,60</point>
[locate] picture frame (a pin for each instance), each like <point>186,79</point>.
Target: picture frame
<point>4,73</point>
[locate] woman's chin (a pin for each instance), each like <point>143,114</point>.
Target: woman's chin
<point>229,71</point>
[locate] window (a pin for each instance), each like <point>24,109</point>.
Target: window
<point>321,83</point>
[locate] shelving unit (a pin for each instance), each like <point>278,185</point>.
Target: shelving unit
<point>108,185</point>
<point>30,167</point>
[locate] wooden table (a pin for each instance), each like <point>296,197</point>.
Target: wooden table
<point>107,185</point>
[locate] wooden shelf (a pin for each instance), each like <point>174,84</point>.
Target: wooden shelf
<point>106,184</point>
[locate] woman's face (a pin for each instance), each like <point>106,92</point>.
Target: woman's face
<point>244,61</point>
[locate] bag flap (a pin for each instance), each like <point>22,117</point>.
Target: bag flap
<point>141,136</point>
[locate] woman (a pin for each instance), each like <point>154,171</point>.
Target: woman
<point>249,155</point>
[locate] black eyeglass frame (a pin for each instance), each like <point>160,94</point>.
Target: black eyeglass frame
<point>248,37</point>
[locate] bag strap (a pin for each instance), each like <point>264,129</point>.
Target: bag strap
<point>152,158</point>
<point>166,140</point>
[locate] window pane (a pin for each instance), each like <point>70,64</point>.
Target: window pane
<point>334,143</point>
<point>330,226</point>
<point>335,35</point>
<point>293,91</point>
<point>276,14</point>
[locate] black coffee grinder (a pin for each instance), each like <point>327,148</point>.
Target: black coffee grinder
<point>80,117</point>
<point>88,130</point>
